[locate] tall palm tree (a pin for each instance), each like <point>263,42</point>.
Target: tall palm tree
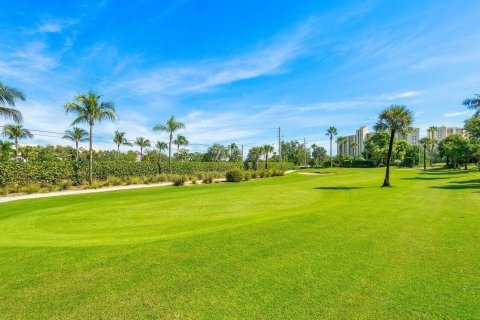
<point>473,103</point>
<point>120,140</point>
<point>8,97</point>
<point>256,152</point>
<point>396,118</point>
<point>142,143</point>
<point>16,132</point>
<point>331,132</point>
<point>89,109</point>
<point>76,135</point>
<point>232,147</point>
<point>425,142</point>
<point>161,146</point>
<point>170,127</point>
<point>267,149</point>
<point>180,141</point>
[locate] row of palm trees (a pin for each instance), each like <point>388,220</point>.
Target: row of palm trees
<point>257,152</point>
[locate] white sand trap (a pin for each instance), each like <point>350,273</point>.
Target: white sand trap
<point>314,173</point>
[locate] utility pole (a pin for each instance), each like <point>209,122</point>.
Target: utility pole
<point>279,145</point>
<point>242,152</point>
<point>305,150</point>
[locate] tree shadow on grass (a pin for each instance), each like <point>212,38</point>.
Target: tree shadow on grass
<point>459,185</point>
<point>338,188</point>
<point>425,178</point>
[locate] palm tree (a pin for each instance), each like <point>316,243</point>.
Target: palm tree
<point>473,103</point>
<point>433,141</point>
<point>16,132</point>
<point>331,132</point>
<point>353,146</point>
<point>142,143</point>
<point>88,109</point>
<point>396,118</point>
<point>76,135</point>
<point>256,152</point>
<point>161,146</point>
<point>267,149</point>
<point>8,96</point>
<point>120,140</point>
<point>341,141</point>
<point>170,127</point>
<point>180,141</point>
<point>425,142</point>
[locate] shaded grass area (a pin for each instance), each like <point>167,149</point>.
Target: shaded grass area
<point>299,246</point>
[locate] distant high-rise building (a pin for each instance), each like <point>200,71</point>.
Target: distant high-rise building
<point>412,138</point>
<point>443,131</point>
<point>355,143</point>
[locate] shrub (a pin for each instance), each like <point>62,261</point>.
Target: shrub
<point>179,180</point>
<point>247,175</point>
<point>208,178</point>
<point>194,180</point>
<point>234,175</point>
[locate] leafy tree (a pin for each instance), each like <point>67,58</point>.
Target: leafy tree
<point>294,151</point>
<point>319,153</point>
<point>472,125</point>
<point>393,119</point>
<point>76,135</point>
<point>216,152</point>
<point>331,132</point>
<point>120,140</point>
<point>89,109</point>
<point>16,132</point>
<point>180,141</point>
<point>8,97</point>
<point>456,148</point>
<point>376,146</point>
<point>266,150</point>
<point>142,143</point>
<point>5,150</point>
<point>473,104</point>
<point>170,127</point>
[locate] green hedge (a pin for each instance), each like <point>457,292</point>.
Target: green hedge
<point>52,172</point>
<point>271,165</point>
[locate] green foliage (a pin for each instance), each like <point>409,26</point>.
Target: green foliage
<point>234,175</point>
<point>179,180</point>
<point>55,172</point>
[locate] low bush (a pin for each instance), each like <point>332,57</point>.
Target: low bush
<point>234,175</point>
<point>179,180</point>
<point>247,175</point>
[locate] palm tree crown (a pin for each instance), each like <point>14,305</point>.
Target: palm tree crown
<point>8,97</point>
<point>170,127</point>
<point>473,103</point>
<point>16,132</point>
<point>76,135</point>
<point>396,118</point>
<point>180,141</point>
<point>142,143</point>
<point>331,132</point>
<point>89,109</point>
<point>120,140</point>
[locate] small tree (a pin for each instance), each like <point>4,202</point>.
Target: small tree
<point>120,140</point>
<point>267,149</point>
<point>76,135</point>
<point>331,132</point>
<point>170,127</point>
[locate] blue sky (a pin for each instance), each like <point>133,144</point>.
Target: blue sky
<point>234,71</point>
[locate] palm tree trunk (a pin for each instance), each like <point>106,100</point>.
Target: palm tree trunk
<point>386,182</point>
<point>331,163</point>
<point>76,148</point>
<point>425,158</point>
<point>170,154</point>
<point>141,153</point>
<point>16,148</point>
<point>118,152</point>
<point>90,165</point>
<point>266,160</point>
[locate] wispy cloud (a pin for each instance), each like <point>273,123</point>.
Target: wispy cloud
<point>456,114</point>
<point>56,25</point>
<point>403,95</point>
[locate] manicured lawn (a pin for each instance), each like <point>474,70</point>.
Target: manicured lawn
<point>295,247</point>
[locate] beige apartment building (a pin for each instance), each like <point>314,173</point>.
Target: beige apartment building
<point>443,131</point>
<point>355,143</point>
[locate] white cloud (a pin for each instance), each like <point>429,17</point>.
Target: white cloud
<point>55,26</point>
<point>456,114</point>
<point>404,95</point>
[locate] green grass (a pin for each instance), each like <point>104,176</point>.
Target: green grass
<point>295,247</point>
